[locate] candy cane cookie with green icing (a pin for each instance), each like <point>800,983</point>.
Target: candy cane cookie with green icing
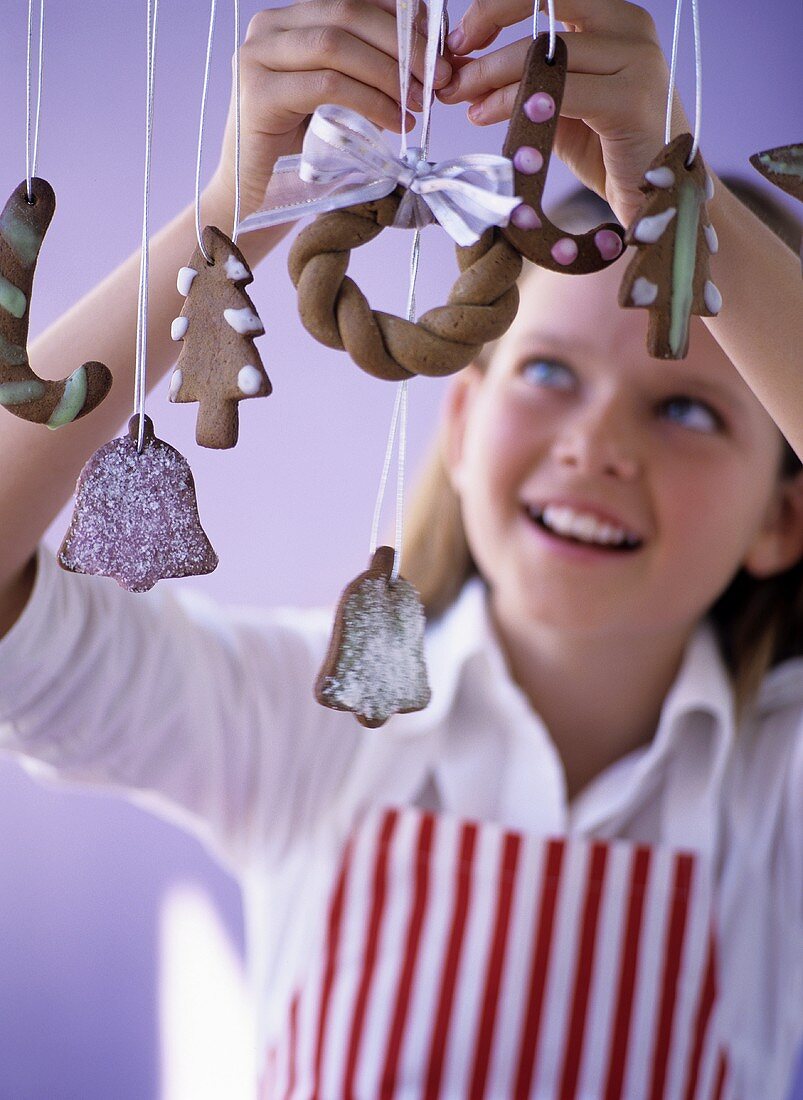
<point>23,225</point>
<point>528,144</point>
<point>669,275</point>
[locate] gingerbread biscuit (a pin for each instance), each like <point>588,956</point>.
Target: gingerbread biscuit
<point>219,365</point>
<point>23,225</point>
<point>136,516</point>
<point>669,275</point>
<point>375,666</point>
<point>333,309</point>
<point>529,141</point>
<point>782,166</point>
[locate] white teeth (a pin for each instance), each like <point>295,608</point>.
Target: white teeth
<point>583,526</point>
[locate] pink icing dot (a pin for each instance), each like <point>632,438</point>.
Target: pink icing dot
<point>608,243</point>
<point>528,160</point>
<point>524,217</point>
<point>564,251</point>
<point>539,107</point>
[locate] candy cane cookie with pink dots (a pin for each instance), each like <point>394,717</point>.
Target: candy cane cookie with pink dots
<point>528,144</point>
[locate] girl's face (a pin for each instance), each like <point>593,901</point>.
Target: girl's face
<point>573,408</point>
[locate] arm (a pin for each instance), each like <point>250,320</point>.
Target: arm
<point>339,51</point>
<point>611,126</point>
<point>40,466</point>
<point>760,325</point>
<point>202,714</point>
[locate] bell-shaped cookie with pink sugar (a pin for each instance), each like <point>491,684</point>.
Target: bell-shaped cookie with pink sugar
<point>136,516</point>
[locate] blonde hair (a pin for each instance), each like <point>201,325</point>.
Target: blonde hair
<point>758,621</point>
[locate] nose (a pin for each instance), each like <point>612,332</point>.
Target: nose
<point>598,441</point>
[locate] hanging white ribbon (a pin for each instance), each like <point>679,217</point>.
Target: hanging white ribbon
<point>346,160</point>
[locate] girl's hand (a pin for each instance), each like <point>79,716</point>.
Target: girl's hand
<point>298,57</point>
<point>612,117</point>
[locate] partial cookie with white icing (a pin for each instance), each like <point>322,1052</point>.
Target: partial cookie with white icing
<point>669,274</point>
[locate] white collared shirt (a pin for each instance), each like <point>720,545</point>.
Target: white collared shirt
<point>206,715</point>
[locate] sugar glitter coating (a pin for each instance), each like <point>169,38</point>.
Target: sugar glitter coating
<point>136,518</point>
<point>380,667</point>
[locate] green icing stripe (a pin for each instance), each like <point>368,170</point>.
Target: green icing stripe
<point>12,300</point>
<point>72,400</point>
<point>785,167</point>
<point>12,354</point>
<point>20,236</point>
<point>683,263</point>
<point>17,393</point>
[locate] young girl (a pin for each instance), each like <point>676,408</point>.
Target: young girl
<point>579,871</point>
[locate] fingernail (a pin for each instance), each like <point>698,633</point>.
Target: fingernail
<point>475,111</point>
<point>450,89</point>
<point>456,39</point>
<point>416,95</point>
<point>443,71</point>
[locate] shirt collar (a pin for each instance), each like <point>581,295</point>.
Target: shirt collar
<point>702,684</point>
<point>691,747</point>
<point>465,632</point>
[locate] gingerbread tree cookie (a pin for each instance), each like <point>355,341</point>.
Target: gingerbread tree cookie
<point>375,662</point>
<point>669,275</point>
<point>219,365</point>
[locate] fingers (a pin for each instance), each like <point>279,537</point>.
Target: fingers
<point>608,104</point>
<point>484,19</point>
<point>314,49</point>
<point>373,24</point>
<point>589,53</point>
<point>294,95</point>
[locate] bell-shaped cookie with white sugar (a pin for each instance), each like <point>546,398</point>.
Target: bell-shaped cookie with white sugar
<point>375,666</point>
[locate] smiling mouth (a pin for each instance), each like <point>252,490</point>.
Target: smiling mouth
<point>629,546</point>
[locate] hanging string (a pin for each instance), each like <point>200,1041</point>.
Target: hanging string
<point>142,301</point>
<point>32,154</point>
<point>698,78</point>
<point>404,37</point>
<point>551,10</point>
<point>398,423</point>
<point>204,94</point>
<point>394,422</point>
<point>698,81</point>
<point>207,65</point>
<point>236,120</point>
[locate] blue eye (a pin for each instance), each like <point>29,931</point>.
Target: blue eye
<point>710,421</point>
<point>546,370</point>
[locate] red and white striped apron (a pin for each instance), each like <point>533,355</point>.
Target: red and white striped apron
<point>463,960</point>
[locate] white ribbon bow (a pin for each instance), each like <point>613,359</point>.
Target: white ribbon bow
<point>345,160</point>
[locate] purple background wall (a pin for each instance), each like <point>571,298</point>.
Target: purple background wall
<point>289,510</point>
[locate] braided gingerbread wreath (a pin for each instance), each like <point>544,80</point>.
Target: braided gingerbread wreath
<point>333,309</point>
